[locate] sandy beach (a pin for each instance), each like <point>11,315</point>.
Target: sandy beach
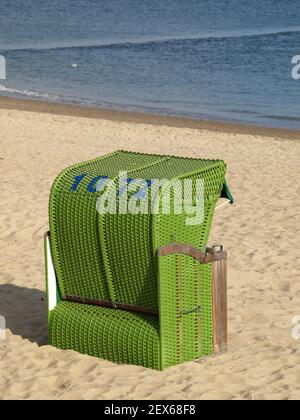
<point>260,232</point>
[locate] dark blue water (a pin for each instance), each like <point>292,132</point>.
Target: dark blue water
<point>213,59</point>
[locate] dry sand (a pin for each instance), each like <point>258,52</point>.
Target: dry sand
<point>261,233</point>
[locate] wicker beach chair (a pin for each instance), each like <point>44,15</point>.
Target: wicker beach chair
<point>141,287</point>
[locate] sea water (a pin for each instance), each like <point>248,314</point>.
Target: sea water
<point>229,60</point>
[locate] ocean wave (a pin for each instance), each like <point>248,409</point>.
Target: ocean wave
<point>63,99</point>
<point>153,40</point>
<point>48,97</point>
<point>166,111</point>
<point>30,93</point>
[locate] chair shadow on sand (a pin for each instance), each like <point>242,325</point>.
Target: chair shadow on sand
<point>25,312</point>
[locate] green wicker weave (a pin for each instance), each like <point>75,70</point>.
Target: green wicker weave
<point>114,258</point>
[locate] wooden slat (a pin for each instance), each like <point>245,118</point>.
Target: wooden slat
<point>109,304</point>
<point>202,257</point>
<point>219,278</point>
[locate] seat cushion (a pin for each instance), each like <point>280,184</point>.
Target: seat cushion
<point>112,334</point>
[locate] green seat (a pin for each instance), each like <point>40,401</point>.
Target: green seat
<point>116,296</point>
<point>117,335</point>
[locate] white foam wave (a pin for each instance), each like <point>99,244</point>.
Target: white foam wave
<point>31,93</point>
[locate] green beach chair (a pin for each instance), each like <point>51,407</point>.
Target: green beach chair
<point>129,275</point>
